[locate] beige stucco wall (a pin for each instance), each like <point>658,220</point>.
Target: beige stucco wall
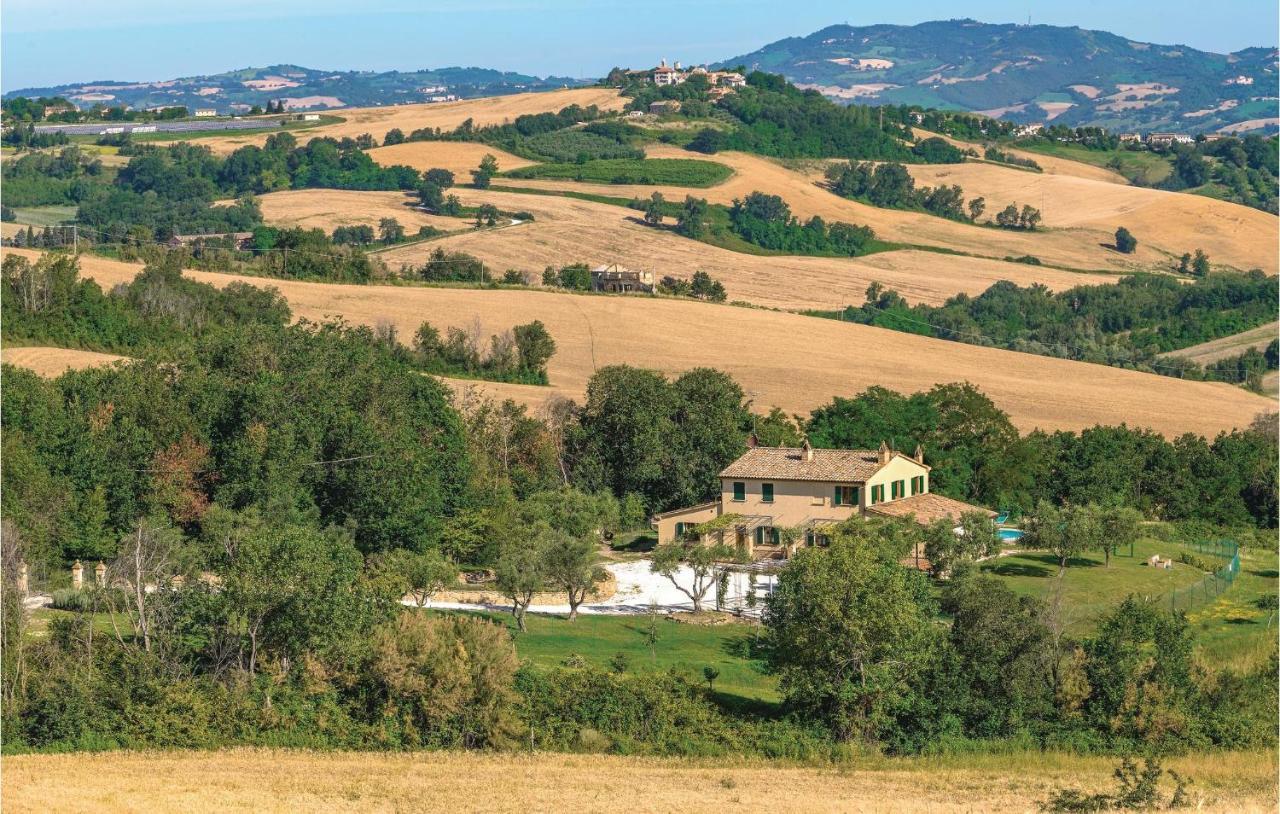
<point>794,502</point>
<point>900,468</point>
<point>666,525</point>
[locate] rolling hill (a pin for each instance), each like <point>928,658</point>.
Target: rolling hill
<point>300,88</point>
<point>1032,73</point>
<point>788,360</point>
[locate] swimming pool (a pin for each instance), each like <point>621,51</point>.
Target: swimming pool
<point>1010,535</point>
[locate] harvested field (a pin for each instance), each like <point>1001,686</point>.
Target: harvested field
<point>1165,223</point>
<point>445,115</point>
<point>568,230</point>
<point>1050,164</point>
<point>53,362</point>
<point>329,208</point>
<point>459,157</point>
<point>791,361</point>
<point>1078,246</point>
<point>1234,345</point>
<point>278,780</point>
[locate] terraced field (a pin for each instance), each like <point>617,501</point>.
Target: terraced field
<point>782,359</point>
<point>53,362</point>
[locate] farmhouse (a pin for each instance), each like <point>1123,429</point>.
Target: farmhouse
<point>1130,138</point>
<point>616,279</point>
<point>665,74</point>
<point>1166,139</point>
<point>801,488</point>
<point>206,113</point>
<point>242,241</point>
<point>665,106</point>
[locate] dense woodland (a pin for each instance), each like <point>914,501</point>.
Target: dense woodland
<point>1126,324</point>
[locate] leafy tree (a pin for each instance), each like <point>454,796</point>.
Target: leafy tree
<point>708,140</point>
<point>486,215</point>
<point>653,209</point>
<point>571,564</point>
<point>1066,533</point>
<point>1200,264</point>
<point>390,230</point>
<point>847,629</point>
<point>394,136</point>
<point>691,221</point>
<point>695,561</point>
<point>534,345</point>
<point>421,574</point>
<point>448,679</point>
<point>521,568</point>
<point>976,207</point>
<point>442,178</point>
<point>1125,241</point>
<point>488,168</point>
<point>1116,527</point>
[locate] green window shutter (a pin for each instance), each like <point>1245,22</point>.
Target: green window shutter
<point>857,495</point>
<point>835,499</point>
<point>739,490</point>
<point>766,492</point>
<point>679,529</point>
<point>775,537</point>
<point>759,535</point>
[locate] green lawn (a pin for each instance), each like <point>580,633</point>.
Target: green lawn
<point>1142,167</point>
<point>44,215</point>
<point>1234,631</point>
<point>1089,589</point>
<point>680,646</point>
<point>682,172</point>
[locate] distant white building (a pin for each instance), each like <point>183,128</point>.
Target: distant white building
<point>665,74</point>
<point>1165,139</point>
<point>1239,80</point>
<point>1029,130</point>
<point>206,113</point>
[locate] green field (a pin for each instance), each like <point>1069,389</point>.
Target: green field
<point>1234,631</point>
<point>1089,587</point>
<point>1142,168</point>
<point>683,172</point>
<point>686,648</point>
<point>44,215</point>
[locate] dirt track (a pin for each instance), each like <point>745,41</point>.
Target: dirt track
<point>791,361</point>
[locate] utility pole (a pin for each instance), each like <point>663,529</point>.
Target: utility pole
<point>75,238</point>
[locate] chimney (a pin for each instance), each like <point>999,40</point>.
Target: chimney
<point>884,453</point>
<point>677,66</point>
<point>100,574</point>
<point>919,454</point>
<point>77,575</point>
<point>807,450</point>
<point>752,441</point>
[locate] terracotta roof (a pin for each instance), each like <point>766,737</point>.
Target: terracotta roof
<point>788,463</point>
<point>711,504</point>
<point>927,508</point>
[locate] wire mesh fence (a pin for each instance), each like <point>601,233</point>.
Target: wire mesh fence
<point>1214,583</point>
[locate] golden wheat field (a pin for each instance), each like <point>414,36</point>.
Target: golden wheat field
<point>1208,352</point>
<point>1050,164</point>
<point>459,157</point>
<point>788,360</point>
<point>328,209</point>
<point>52,362</point>
<point>1166,223</point>
<point>567,230</point>
<point>446,115</point>
<point>494,783</point>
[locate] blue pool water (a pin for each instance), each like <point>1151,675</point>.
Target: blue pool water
<point>1010,535</point>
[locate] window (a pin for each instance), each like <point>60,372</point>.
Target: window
<point>775,537</point>
<point>917,485</point>
<point>898,489</point>
<point>679,531</point>
<point>739,491</point>
<point>766,492</point>
<point>877,493</point>
<point>845,496</point>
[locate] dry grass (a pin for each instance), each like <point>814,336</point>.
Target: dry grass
<point>1165,223</point>
<point>53,362</point>
<point>788,360</point>
<point>446,115</point>
<point>1234,345</point>
<point>569,230</point>
<point>286,781</point>
<point>459,157</point>
<point>329,208</point>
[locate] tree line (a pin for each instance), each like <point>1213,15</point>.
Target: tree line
<point>1128,324</point>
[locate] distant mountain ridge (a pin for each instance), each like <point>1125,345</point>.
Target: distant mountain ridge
<point>302,88</point>
<point>1037,73</point>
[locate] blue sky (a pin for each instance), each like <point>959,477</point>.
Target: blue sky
<point>46,43</point>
